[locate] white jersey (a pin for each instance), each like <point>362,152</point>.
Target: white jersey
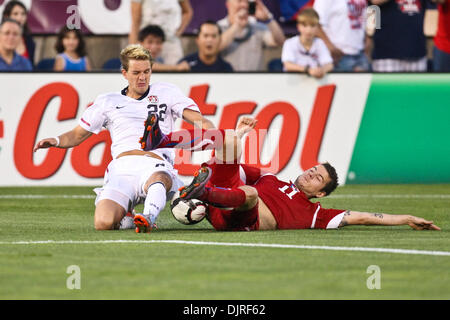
<point>124,117</point>
<point>317,55</point>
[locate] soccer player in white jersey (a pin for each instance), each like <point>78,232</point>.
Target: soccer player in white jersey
<point>133,174</point>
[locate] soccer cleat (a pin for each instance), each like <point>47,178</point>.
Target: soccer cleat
<point>152,133</point>
<point>143,225</point>
<point>196,188</point>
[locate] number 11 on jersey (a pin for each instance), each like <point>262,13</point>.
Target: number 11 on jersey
<point>290,194</point>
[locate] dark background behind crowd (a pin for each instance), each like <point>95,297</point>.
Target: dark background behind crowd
<point>311,36</point>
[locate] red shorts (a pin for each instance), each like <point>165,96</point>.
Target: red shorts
<point>228,176</point>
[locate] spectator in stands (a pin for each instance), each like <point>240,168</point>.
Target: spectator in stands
<point>10,35</point>
<point>343,31</point>
<point>16,10</point>
<point>245,34</point>
<point>400,44</point>
<point>173,16</point>
<point>306,52</point>
<point>441,50</point>
<point>71,50</point>
<point>208,58</point>
<point>152,38</point>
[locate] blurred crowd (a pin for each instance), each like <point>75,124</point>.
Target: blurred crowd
<point>332,35</point>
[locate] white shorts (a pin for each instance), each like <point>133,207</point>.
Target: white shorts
<point>125,179</point>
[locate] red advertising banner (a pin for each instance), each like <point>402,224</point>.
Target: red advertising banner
<point>301,121</point>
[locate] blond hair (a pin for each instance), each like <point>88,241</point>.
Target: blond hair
<point>134,52</point>
<point>308,16</point>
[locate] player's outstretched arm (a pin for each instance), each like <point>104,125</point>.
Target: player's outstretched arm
<point>367,218</point>
<point>197,119</point>
<point>69,139</point>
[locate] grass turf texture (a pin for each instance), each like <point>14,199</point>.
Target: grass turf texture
<point>186,271</point>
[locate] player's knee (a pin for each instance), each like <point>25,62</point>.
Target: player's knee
<point>103,222</point>
<point>162,177</point>
<point>251,196</point>
<point>107,215</point>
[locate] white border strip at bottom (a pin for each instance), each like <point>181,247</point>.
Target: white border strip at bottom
<point>236,244</point>
<point>333,196</point>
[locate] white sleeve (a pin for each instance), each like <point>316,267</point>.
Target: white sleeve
<point>288,52</point>
<point>322,8</point>
<point>336,221</point>
<point>93,118</point>
<point>181,102</point>
<point>323,52</point>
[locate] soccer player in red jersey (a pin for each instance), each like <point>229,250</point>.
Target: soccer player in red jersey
<point>243,198</point>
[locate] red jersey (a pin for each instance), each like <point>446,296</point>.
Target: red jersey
<point>442,38</point>
<point>290,207</point>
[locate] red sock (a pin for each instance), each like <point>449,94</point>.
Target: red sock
<point>224,197</point>
<point>190,138</point>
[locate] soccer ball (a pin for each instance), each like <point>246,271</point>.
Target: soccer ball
<point>190,211</point>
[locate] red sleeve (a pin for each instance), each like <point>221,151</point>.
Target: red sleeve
<point>252,174</point>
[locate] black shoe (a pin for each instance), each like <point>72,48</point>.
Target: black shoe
<point>197,187</point>
<point>152,133</point>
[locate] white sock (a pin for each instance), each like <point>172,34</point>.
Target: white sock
<point>155,200</point>
<point>127,221</point>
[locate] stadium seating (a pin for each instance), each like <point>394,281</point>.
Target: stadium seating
<point>45,64</point>
<point>112,64</point>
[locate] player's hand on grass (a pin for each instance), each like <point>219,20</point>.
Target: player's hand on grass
<point>45,143</point>
<point>421,224</point>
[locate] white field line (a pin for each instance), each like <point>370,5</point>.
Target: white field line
<point>391,196</point>
<point>340,196</point>
<point>234,244</point>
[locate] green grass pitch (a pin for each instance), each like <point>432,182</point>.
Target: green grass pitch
<point>162,270</point>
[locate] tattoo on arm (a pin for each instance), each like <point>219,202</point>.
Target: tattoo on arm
<point>343,221</point>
